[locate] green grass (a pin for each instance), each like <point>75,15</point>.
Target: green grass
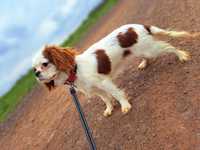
<point>91,20</point>
<point>9,101</point>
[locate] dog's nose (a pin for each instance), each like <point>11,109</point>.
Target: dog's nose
<point>37,73</point>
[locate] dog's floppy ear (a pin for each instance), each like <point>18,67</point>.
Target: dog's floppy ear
<point>62,58</point>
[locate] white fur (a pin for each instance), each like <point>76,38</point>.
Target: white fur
<point>91,82</point>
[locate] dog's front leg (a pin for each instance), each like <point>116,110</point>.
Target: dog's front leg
<point>107,98</point>
<point>108,86</point>
<point>143,64</point>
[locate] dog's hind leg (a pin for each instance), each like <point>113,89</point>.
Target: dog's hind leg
<point>164,47</point>
<point>181,54</point>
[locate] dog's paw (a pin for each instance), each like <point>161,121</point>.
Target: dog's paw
<point>184,56</point>
<point>107,112</point>
<point>142,65</point>
<point>126,108</point>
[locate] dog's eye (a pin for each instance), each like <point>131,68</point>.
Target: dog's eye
<point>45,64</point>
<point>34,69</point>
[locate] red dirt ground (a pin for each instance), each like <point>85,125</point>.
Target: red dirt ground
<point>165,97</point>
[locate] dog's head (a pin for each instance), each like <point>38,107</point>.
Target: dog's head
<point>51,61</point>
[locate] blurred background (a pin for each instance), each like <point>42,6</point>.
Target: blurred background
<point>26,25</point>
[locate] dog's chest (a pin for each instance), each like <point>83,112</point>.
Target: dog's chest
<point>84,86</point>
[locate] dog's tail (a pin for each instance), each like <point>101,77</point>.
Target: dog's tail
<point>176,34</point>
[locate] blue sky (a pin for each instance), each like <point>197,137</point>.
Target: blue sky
<point>25,25</point>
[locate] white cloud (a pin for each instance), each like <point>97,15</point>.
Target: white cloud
<point>47,27</point>
<point>19,69</point>
<point>67,7</point>
<point>4,22</point>
<point>10,41</point>
<point>9,78</point>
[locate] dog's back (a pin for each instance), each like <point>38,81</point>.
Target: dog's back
<point>134,39</point>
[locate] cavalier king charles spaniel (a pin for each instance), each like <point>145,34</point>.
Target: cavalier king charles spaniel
<point>91,72</point>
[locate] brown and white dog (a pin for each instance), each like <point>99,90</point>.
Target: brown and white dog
<point>92,71</point>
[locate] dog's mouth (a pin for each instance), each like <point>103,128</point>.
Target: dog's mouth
<point>50,79</point>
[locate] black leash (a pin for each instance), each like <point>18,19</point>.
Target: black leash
<point>82,118</point>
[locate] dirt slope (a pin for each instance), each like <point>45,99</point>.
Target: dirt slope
<point>165,97</point>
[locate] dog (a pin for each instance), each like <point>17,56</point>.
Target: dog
<point>91,72</point>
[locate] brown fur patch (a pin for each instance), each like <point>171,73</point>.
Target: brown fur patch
<point>148,28</point>
<point>62,58</point>
<point>103,62</point>
<point>126,53</point>
<point>50,85</point>
<point>128,38</point>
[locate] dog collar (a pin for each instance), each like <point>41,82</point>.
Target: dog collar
<point>72,76</point>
